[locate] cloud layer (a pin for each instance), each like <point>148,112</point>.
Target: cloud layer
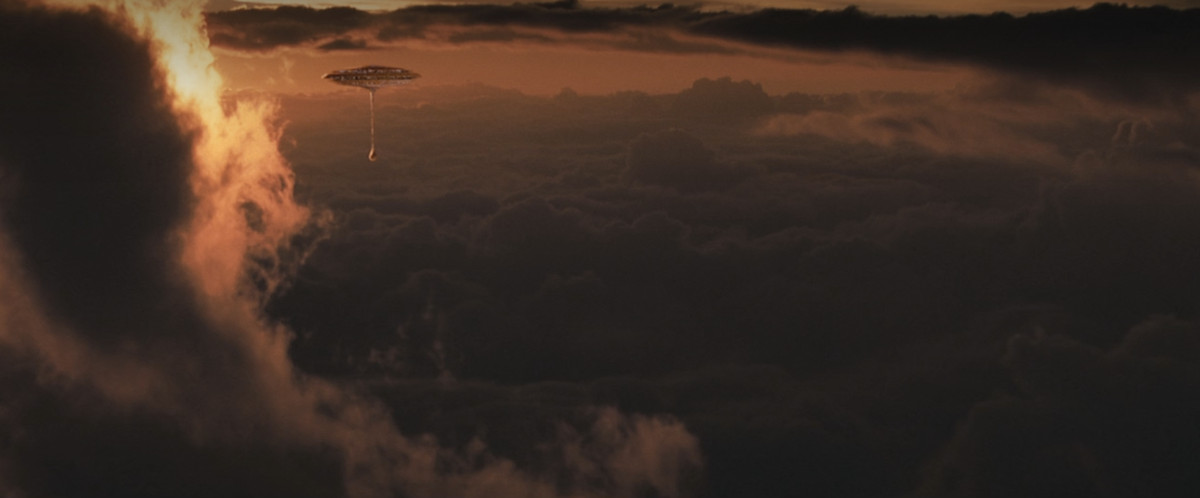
<point>824,290</point>
<point>1130,52</point>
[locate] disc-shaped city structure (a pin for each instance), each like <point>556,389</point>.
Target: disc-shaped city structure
<point>372,78</point>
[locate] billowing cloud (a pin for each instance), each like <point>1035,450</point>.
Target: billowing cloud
<point>137,358</point>
<point>1084,420</point>
<point>821,308</point>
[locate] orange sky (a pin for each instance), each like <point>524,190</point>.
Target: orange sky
<point>879,6</point>
<point>546,70</point>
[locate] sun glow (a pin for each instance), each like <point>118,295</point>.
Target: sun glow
<point>229,250</point>
<point>238,164</point>
<point>221,372</point>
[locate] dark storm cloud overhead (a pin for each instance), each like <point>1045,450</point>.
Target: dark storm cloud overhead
<point>282,26</point>
<point>1129,51</point>
<point>343,44</point>
<point>264,29</point>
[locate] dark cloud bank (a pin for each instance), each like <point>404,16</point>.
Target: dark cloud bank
<point>988,292</point>
<point>1132,52</point>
